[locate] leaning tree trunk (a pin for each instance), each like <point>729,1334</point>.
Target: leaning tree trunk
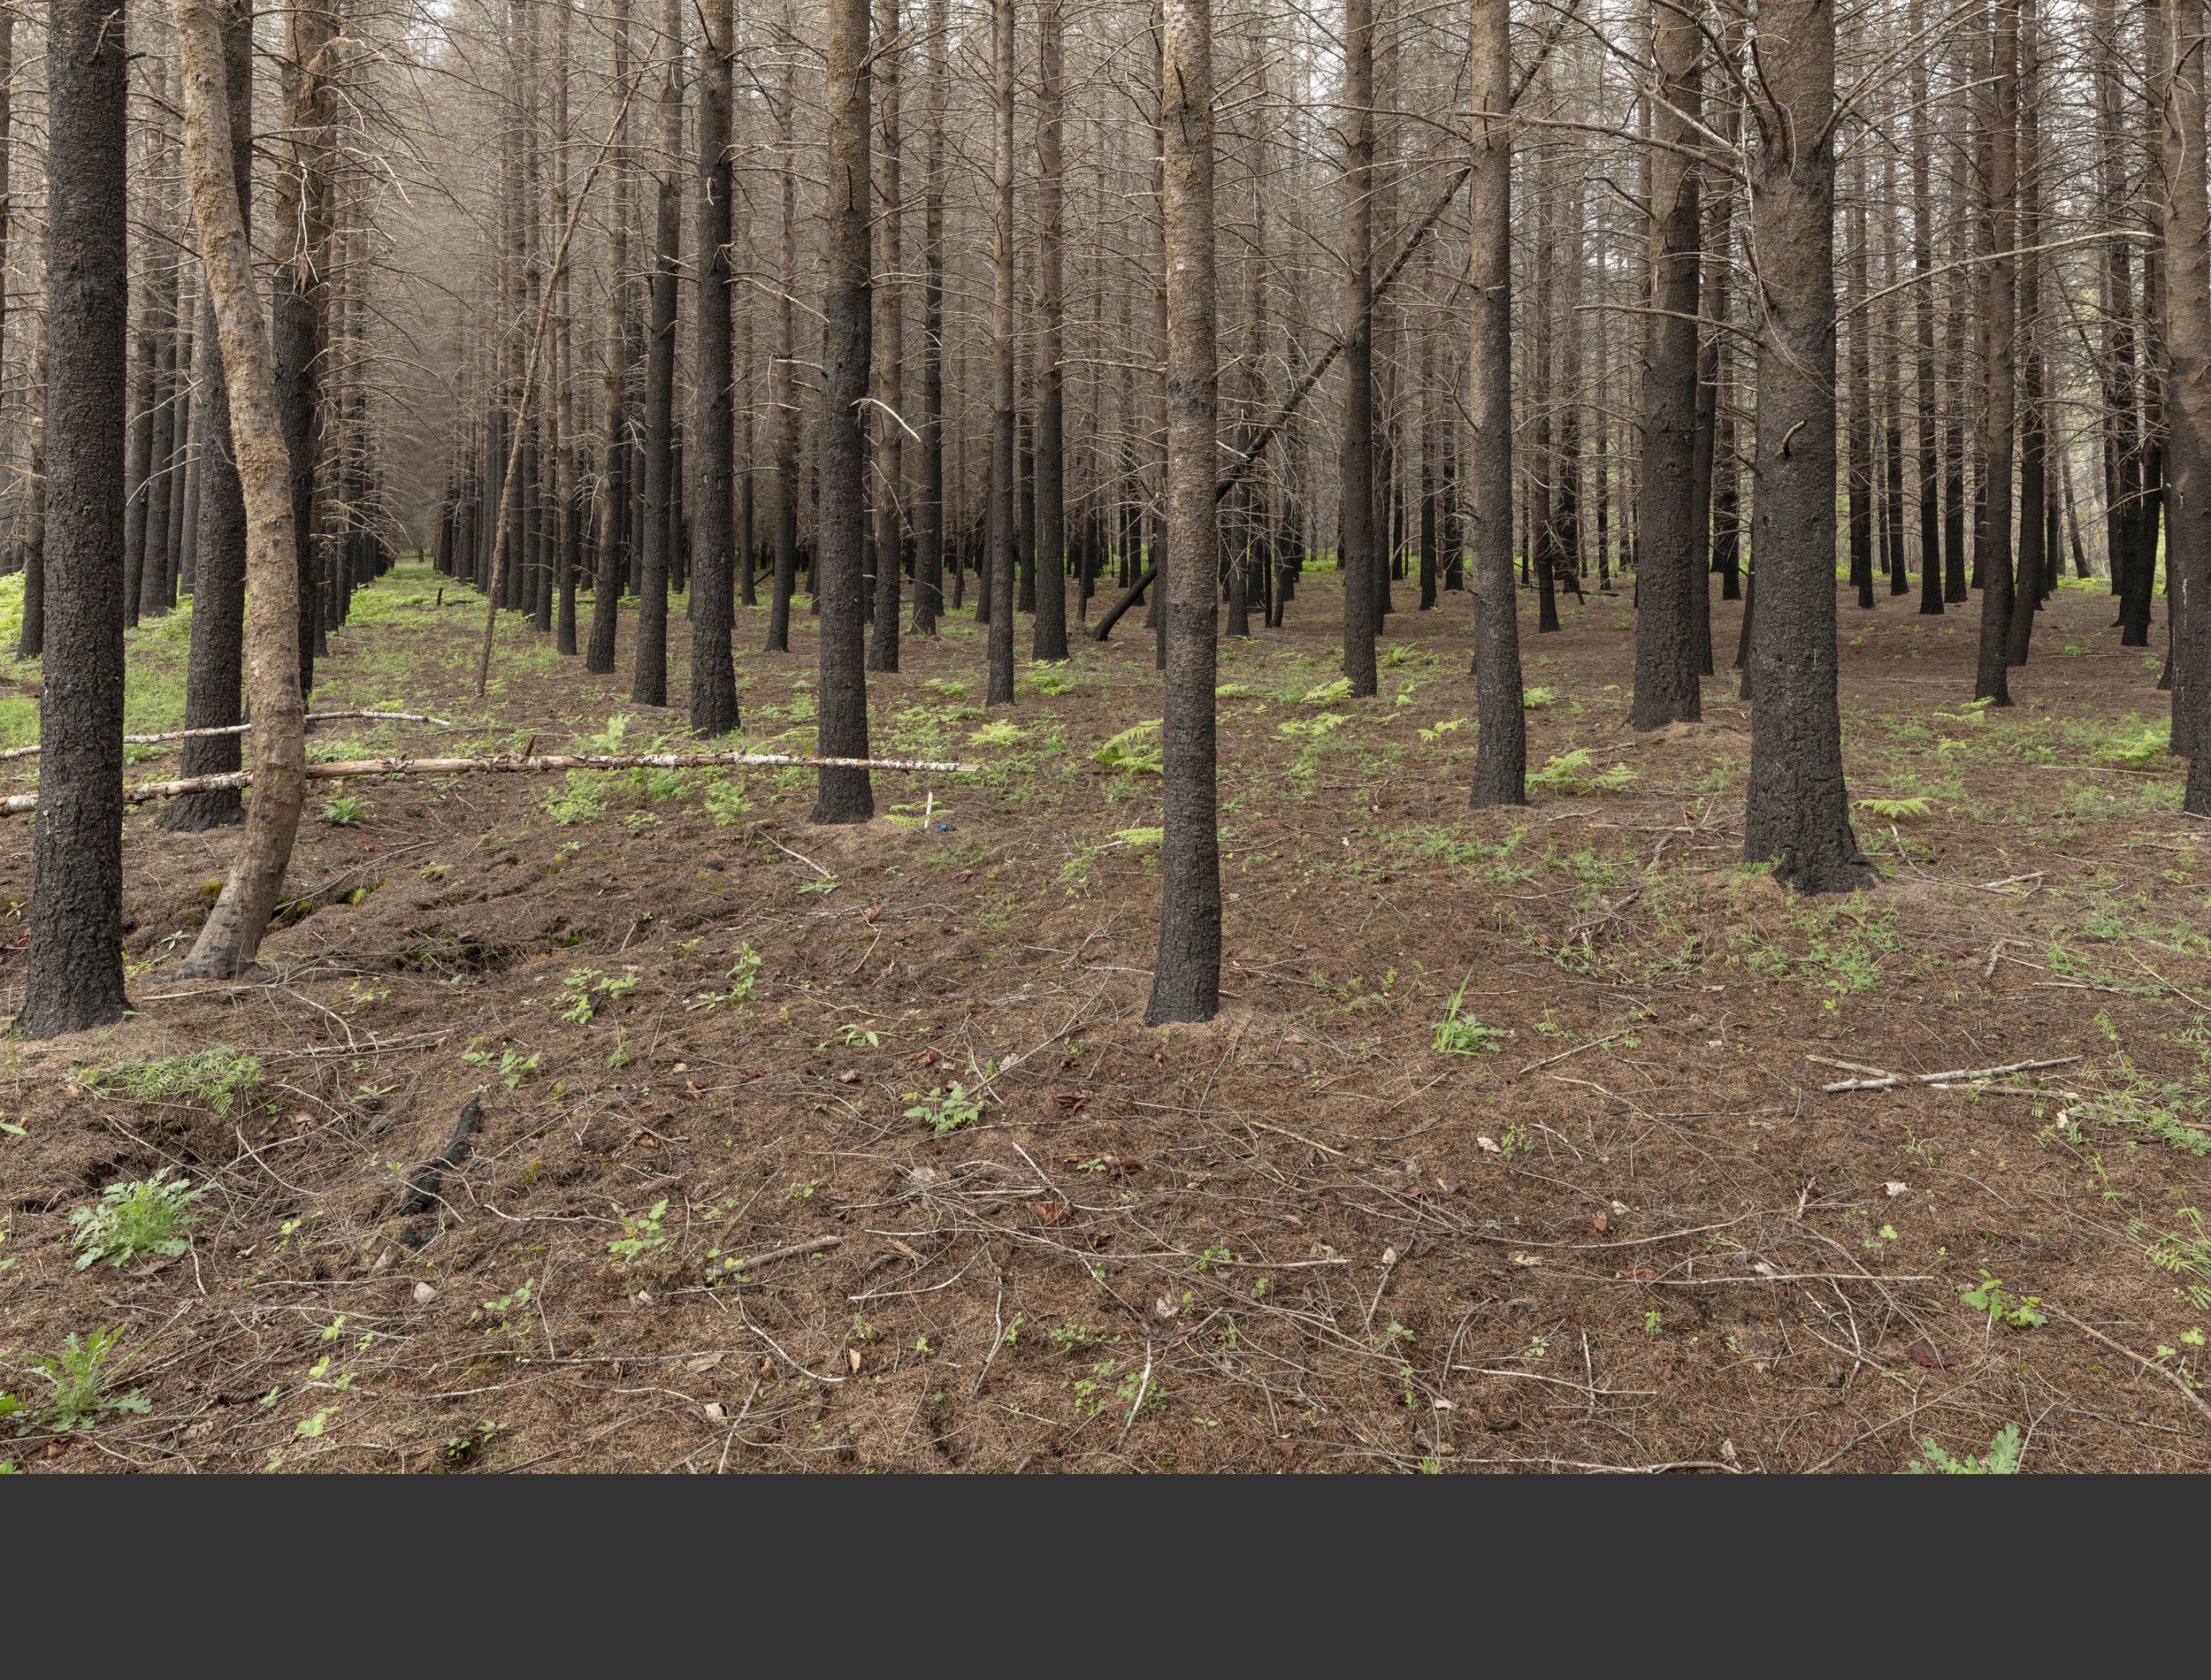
<point>1185,974</point>
<point>1798,811</point>
<point>1500,752</point>
<point>218,575</point>
<point>1666,569</point>
<point>74,975</point>
<point>713,667</point>
<point>845,795</point>
<point>234,928</point>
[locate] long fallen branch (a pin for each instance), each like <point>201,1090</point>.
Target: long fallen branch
<point>17,805</point>
<point>243,728</point>
<point>1953,1076</point>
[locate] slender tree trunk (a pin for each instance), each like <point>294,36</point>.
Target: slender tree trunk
<point>2034,555</point>
<point>1186,976</point>
<point>1666,687</point>
<point>890,346</point>
<point>1998,416</point>
<point>1501,755</point>
<point>1859,470</point>
<point>845,796</point>
<point>999,591</point>
<point>929,544</point>
<point>1361,560</point>
<point>215,665</point>
<point>1924,378</point>
<point>648,683</point>
<point>233,929</point>
<point>302,211</point>
<point>1798,811</point>
<point>606,590</point>
<point>713,709</point>
<point>74,975</point>
<point>1050,628</point>
<point>2186,215</point>
<point>569,536</point>
<point>783,380</point>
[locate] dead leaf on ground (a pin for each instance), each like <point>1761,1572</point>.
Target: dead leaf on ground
<point>1600,1222</point>
<point>1070,1100</point>
<point>1049,1212</point>
<point>1923,1352</point>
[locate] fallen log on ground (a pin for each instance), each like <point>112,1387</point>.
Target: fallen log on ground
<point>17,805</point>
<point>1953,1076</point>
<point>244,729</point>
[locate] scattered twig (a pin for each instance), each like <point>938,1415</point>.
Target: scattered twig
<point>1952,1076</point>
<point>2170,1376</point>
<point>1577,1050</point>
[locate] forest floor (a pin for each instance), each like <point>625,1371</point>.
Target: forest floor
<point>810,1148</point>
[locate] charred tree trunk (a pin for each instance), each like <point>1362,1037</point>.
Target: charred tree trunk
<point>1361,558</point>
<point>74,975</point>
<point>1798,811</point>
<point>928,542</point>
<point>1050,640</point>
<point>1185,974</point>
<point>1999,416</point>
<point>845,795</point>
<point>713,669</point>
<point>999,590</point>
<point>606,590</point>
<point>1666,687</point>
<point>648,683</point>
<point>1500,756</point>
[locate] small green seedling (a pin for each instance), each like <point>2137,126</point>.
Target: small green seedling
<point>130,1221</point>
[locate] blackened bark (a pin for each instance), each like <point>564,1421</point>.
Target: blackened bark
<point>845,795</point>
<point>1361,560</point>
<point>929,536</point>
<point>713,709</point>
<point>1186,973</point>
<point>648,683</point>
<point>2187,401</point>
<point>997,595</point>
<point>1051,629</point>
<point>74,975</point>
<point>782,380</point>
<point>1798,811</point>
<point>1666,569</point>
<point>1997,416</point>
<point>890,346</point>
<point>606,592</point>
<point>1501,755</point>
